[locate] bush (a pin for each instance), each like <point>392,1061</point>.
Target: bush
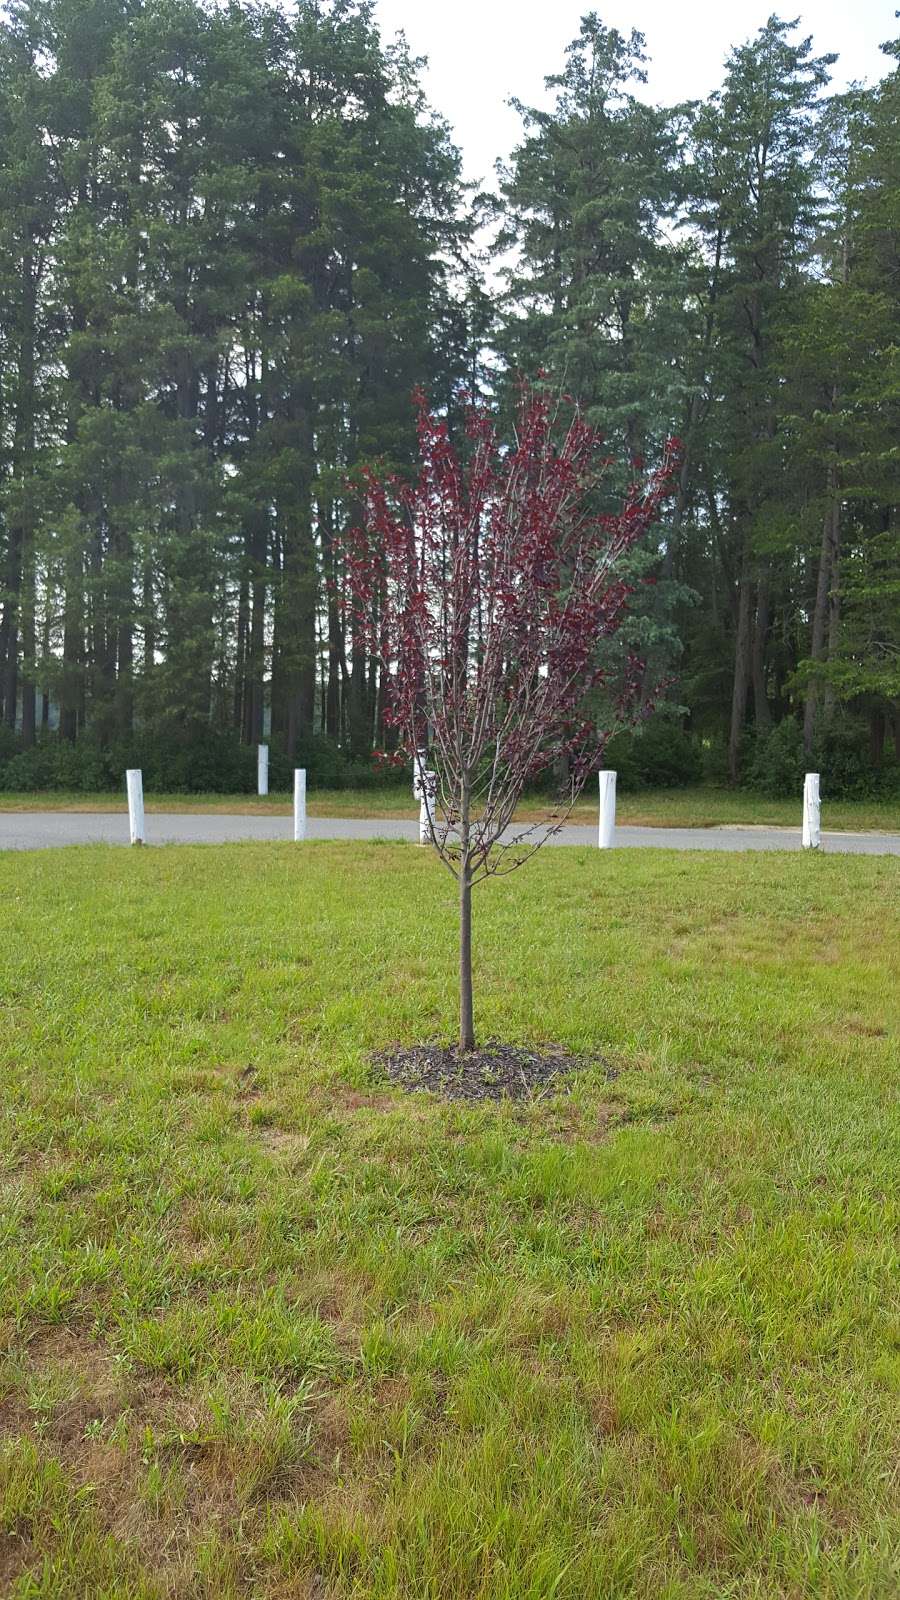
<point>183,762</point>
<point>840,755</point>
<point>778,762</point>
<point>658,755</point>
<point>8,743</point>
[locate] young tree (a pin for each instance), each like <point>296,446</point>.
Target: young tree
<point>488,586</point>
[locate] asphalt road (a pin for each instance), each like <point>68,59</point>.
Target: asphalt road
<point>39,830</point>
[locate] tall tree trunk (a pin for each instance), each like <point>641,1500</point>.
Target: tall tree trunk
<point>294,667</point>
<point>73,643</point>
<point>254,694</point>
<point>125,638</point>
<point>829,698</point>
<point>255,571</point>
<point>335,675</point>
<point>358,713</point>
<point>372,700</point>
<point>828,558</point>
<point>762,714</point>
<point>9,626</point>
<point>148,619</point>
<point>240,654</point>
<point>29,640</point>
<point>331,707</point>
<point>741,680</point>
<point>359,723</point>
<point>73,685</point>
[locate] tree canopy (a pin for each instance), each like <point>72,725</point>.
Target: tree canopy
<point>234,240</point>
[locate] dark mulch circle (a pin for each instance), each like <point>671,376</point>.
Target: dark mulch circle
<point>492,1072</point>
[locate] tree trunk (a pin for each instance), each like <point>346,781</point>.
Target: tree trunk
<point>294,643</point>
<point>29,689</point>
<point>741,668</point>
<point>73,644</point>
<point>124,698</point>
<point>466,1009</point>
<point>331,698</point>
<point>335,657</point>
<point>760,635</point>
<point>359,721</point>
<point>240,655</point>
<point>828,553</point>
<point>254,677</point>
<point>148,621</point>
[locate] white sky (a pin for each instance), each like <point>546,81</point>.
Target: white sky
<point>483,51</point>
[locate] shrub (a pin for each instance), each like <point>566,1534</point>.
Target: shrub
<point>843,757</point>
<point>840,755</point>
<point>778,763</point>
<point>201,760</point>
<point>659,755</point>
<point>8,743</point>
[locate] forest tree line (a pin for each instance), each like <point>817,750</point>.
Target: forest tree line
<point>234,239</point>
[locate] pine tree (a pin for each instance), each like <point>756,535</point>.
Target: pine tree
<point>756,210</point>
<point>598,294</point>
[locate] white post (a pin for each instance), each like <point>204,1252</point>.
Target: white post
<point>299,804</point>
<point>135,785</point>
<point>607,810</point>
<point>421,756</point>
<point>262,769</point>
<point>812,812</point>
<point>427,798</point>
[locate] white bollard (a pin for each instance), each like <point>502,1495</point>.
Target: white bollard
<point>262,769</point>
<point>427,798</point>
<point>134,783</point>
<point>812,812</point>
<point>299,804</point>
<point>418,769</point>
<point>607,832</point>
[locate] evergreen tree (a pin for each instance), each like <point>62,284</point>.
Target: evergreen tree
<point>755,209</point>
<point>597,294</point>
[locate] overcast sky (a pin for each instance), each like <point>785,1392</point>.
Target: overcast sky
<point>483,51</point>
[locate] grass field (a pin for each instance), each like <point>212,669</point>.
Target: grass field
<point>661,808</point>
<point>271,1328</point>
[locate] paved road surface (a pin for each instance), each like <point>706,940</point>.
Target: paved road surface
<point>36,830</point>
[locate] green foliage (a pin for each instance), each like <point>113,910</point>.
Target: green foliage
<point>218,291</point>
<point>232,240</point>
<point>657,755</point>
<point>841,756</point>
<point>778,764</point>
<point>199,761</point>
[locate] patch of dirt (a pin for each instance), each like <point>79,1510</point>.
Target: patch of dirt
<point>279,1142</point>
<point>13,1420</point>
<point>867,1030</point>
<point>493,1072</point>
<point>15,1556</point>
<point>356,1100</point>
<point>569,1125</point>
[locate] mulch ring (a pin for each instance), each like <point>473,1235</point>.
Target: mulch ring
<point>491,1072</point>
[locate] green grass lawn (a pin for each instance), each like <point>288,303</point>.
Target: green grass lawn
<point>272,1329</point>
<point>702,807</point>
